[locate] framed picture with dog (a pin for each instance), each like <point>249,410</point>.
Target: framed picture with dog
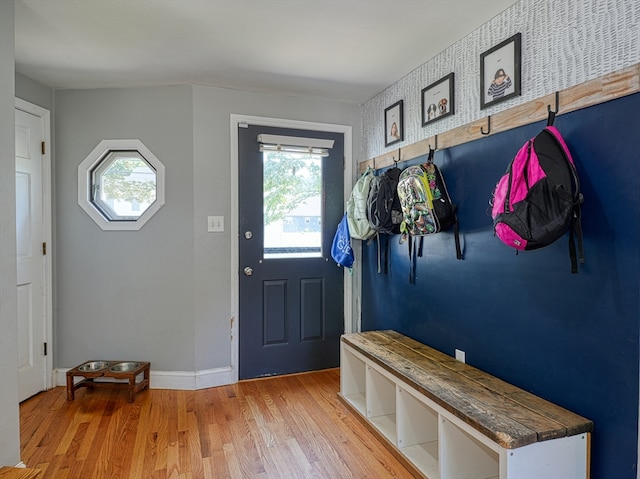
<point>438,100</point>
<point>500,72</point>
<point>393,124</point>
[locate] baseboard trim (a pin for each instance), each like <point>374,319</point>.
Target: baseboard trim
<point>181,380</point>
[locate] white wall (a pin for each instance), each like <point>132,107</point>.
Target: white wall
<point>564,43</point>
<point>213,269</point>
<point>161,294</point>
<point>34,92</point>
<point>9,414</point>
<point>125,294</point>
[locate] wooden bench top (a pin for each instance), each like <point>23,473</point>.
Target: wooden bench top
<point>508,415</point>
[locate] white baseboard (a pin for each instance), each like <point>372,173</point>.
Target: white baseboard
<point>186,380</point>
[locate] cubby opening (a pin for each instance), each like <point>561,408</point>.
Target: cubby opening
<point>463,455</point>
<point>381,403</point>
<point>353,380</point>
<point>418,433</point>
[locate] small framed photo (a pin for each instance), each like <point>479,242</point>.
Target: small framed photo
<point>437,100</point>
<point>500,72</point>
<point>393,124</point>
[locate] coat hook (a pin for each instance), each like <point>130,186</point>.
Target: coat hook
<point>488,127</point>
<point>557,104</point>
<point>435,147</point>
<point>552,113</point>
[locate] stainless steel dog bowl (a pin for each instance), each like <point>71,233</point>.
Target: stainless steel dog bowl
<point>124,367</point>
<point>92,366</point>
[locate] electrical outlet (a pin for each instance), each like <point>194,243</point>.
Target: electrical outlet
<point>460,356</point>
<point>215,224</point>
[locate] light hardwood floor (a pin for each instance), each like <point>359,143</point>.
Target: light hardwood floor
<point>290,427</point>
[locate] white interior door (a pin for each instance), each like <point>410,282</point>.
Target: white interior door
<point>30,254</point>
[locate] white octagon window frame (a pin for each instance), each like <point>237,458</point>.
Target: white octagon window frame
<point>99,154</point>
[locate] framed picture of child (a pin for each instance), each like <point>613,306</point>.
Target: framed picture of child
<point>393,124</point>
<point>437,100</point>
<point>500,72</point>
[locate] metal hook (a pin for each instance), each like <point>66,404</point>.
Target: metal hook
<point>436,147</point>
<point>557,104</point>
<point>552,113</point>
<point>488,127</point>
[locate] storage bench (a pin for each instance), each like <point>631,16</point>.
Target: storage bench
<point>445,419</point>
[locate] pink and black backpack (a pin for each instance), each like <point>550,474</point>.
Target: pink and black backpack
<point>538,198</point>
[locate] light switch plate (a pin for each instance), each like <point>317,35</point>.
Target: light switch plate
<point>215,224</point>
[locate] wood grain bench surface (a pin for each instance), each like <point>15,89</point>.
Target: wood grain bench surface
<point>506,414</point>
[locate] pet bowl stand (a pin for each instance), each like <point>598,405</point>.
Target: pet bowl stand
<point>90,377</point>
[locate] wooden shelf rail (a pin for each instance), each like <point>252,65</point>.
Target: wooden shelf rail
<point>590,93</point>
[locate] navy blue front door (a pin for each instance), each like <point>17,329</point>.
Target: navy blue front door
<point>291,291</point>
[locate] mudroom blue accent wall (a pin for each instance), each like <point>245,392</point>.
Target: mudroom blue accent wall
<point>569,338</point>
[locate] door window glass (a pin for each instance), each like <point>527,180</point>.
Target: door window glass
<point>292,204</point>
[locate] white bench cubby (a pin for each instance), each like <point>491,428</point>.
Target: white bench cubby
<point>457,427</point>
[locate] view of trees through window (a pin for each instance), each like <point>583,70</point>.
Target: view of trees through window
<point>125,185</point>
<point>292,204</point>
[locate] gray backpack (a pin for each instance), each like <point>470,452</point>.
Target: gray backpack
<point>359,226</point>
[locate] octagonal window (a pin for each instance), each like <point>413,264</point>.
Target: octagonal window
<point>121,184</point>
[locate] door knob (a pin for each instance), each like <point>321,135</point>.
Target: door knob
<point>248,271</point>
<point>248,235</point>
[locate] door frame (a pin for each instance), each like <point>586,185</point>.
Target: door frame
<point>47,227</point>
<point>236,121</point>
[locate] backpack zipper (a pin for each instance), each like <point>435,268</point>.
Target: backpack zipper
<point>525,172</point>
<point>507,198</point>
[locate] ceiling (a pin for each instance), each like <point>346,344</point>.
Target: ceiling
<point>342,50</point>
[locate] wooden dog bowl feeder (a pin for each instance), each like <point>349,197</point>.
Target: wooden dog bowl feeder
<point>92,370</point>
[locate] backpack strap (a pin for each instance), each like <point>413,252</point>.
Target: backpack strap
<point>572,251</point>
<point>387,257</point>
<point>378,243</point>
<point>415,251</point>
<point>575,228</point>
<point>412,261</point>
<point>578,227</point>
<point>383,253</point>
<point>431,155</point>
<point>456,232</point>
<point>575,231</point>
<point>456,225</point>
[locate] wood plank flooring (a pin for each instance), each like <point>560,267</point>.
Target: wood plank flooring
<point>290,427</point>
